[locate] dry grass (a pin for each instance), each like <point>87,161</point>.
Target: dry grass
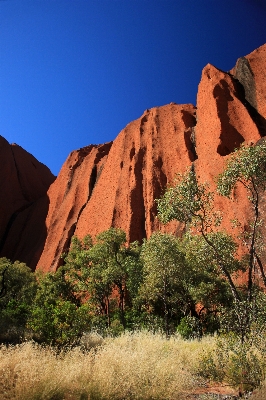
<point>132,366</point>
<point>30,372</point>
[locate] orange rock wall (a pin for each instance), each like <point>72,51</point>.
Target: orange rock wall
<point>130,174</point>
<point>115,184</point>
<point>224,122</point>
<point>68,196</point>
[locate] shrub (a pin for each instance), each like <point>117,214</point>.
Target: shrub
<point>240,364</point>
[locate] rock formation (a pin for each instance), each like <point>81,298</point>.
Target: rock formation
<point>115,184</point>
<point>24,182</point>
<point>68,196</point>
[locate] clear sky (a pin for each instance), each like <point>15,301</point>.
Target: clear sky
<point>76,72</point>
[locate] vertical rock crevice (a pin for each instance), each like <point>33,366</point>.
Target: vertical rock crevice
<point>23,190</point>
<point>230,137</point>
<point>10,223</point>
<point>189,134</point>
<point>137,230</point>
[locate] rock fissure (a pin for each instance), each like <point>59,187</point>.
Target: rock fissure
<point>10,223</point>
<point>23,191</point>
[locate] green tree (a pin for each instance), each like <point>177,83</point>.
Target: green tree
<point>105,271</point>
<point>247,167</point>
<point>207,286</point>
<point>191,202</point>
<point>164,273</point>
<point>58,315</point>
<point>17,291</point>
<point>182,274</point>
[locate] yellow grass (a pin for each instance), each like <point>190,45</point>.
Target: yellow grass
<point>132,366</point>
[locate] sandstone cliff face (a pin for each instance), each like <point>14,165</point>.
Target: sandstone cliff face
<point>225,120</point>
<point>68,196</point>
<point>251,73</point>
<point>24,182</point>
<point>144,157</point>
<point>115,184</point>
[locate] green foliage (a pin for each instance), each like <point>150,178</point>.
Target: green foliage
<point>60,323</point>
<point>17,287</point>
<point>99,269</point>
<point>208,255</point>
<point>189,328</point>
<point>188,201</point>
<point>248,166</point>
<point>163,266</point>
<point>240,364</point>
<point>164,273</point>
<point>182,278</point>
<point>58,317</point>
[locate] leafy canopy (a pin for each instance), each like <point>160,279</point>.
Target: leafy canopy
<point>247,165</point>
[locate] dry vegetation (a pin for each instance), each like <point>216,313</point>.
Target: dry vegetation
<point>132,366</point>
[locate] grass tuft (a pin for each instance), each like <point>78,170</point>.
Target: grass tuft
<point>131,366</point>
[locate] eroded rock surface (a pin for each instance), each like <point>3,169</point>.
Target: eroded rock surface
<point>68,196</point>
<point>115,184</point>
<point>144,157</point>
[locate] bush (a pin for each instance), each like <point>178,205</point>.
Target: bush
<point>189,328</point>
<point>17,291</point>
<point>240,364</point>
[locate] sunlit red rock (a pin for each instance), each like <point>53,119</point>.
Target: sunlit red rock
<point>115,184</point>
<point>68,195</point>
<point>224,122</point>
<point>144,157</point>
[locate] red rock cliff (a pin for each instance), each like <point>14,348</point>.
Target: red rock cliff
<point>115,184</point>
<point>24,182</point>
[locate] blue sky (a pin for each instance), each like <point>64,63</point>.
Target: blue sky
<point>76,72</point>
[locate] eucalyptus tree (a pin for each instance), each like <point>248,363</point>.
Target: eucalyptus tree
<point>247,167</point>
<point>58,315</point>
<point>164,273</point>
<point>191,202</point>
<point>106,270</point>
<point>17,290</point>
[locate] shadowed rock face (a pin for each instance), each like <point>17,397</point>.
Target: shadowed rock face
<point>24,182</point>
<point>115,184</point>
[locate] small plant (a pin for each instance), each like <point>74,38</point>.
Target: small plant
<point>189,328</point>
<point>241,364</point>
